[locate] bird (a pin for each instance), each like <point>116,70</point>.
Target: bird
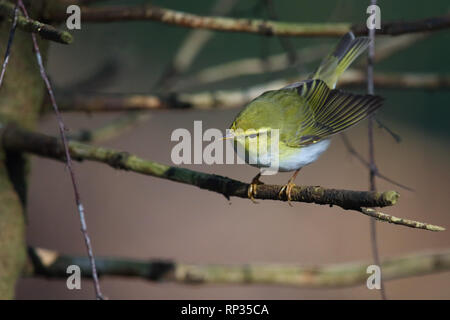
<point>306,113</point>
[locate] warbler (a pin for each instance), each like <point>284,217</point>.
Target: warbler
<point>306,114</point>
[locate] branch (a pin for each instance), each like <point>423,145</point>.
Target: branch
<point>255,26</point>
<point>279,62</point>
<point>365,163</point>
<point>51,264</point>
<point>226,99</point>
<point>396,28</point>
<point>46,146</point>
<point>188,20</point>
<point>29,25</point>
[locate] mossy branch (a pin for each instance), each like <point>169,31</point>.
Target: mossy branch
<point>255,26</point>
<point>17,139</point>
<point>51,264</point>
<point>46,31</point>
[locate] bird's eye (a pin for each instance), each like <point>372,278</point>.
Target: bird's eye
<point>253,135</point>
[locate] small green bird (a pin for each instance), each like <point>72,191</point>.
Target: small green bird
<point>306,113</point>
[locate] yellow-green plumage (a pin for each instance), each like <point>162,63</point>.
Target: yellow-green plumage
<point>307,113</point>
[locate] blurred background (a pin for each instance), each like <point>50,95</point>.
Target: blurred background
<point>136,216</point>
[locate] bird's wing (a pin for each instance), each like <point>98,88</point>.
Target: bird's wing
<point>329,111</point>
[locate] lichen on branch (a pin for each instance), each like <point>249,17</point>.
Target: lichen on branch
<point>17,139</point>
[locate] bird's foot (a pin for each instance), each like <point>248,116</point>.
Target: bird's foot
<point>285,192</point>
<point>252,187</point>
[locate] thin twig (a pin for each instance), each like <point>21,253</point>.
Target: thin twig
<point>67,158</point>
<point>393,134</point>
<point>16,139</point>
<point>361,159</point>
<point>255,26</point>
<point>46,31</point>
<point>372,165</point>
<point>51,264</point>
<point>8,46</point>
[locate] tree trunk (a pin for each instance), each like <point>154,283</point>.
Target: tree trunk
<point>21,96</point>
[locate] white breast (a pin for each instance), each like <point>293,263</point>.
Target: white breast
<point>296,158</point>
<point>290,159</point>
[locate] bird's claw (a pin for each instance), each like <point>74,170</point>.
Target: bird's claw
<point>251,193</point>
<point>285,192</point>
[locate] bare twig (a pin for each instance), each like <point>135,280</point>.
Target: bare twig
<point>372,165</point>
<point>361,159</point>
<point>255,26</point>
<point>393,134</point>
<point>16,139</point>
<point>26,24</point>
<point>51,264</point>
<point>396,220</point>
<point>66,157</point>
<point>183,19</point>
<point>8,46</point>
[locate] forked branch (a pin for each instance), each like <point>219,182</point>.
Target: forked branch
<point>46,31</point>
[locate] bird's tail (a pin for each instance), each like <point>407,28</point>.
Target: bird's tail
<point>348,49</point>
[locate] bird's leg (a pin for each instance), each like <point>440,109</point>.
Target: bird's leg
<point>287,188</point>
<point>252,188</point>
